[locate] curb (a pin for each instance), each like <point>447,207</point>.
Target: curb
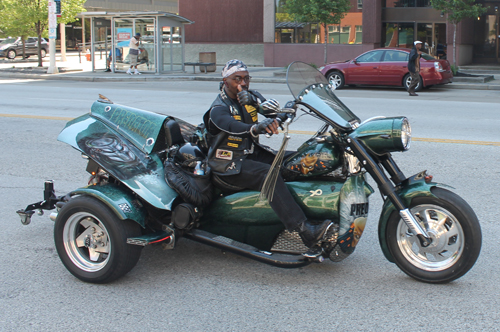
<point>148,78</point>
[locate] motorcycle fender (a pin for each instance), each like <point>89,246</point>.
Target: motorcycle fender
<point>123,203</point>
<point>411,188</point>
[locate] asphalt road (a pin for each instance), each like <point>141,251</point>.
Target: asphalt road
<point>198,288</point>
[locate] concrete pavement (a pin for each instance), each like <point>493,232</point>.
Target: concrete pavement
<point>76,68</point>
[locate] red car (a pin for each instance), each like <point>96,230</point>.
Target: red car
<point>387,66</point>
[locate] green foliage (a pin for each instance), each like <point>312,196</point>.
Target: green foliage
<point>28,17</point>
<point>317,11</point>
<point>454,69</point>
<point>457,10</point>
<point>323,12</point>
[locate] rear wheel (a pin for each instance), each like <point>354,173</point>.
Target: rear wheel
<point>336,79</point>
<point>456,238</point>
<point>11,54</point>
<point>43,53</point>
<point>407,81</point>
<point>92,241</point>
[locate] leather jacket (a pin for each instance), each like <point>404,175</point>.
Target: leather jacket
<point>228,124</point>
<point>414,56</point>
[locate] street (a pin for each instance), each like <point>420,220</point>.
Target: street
<point>199,288</point>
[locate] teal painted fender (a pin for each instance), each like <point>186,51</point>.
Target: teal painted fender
<point>412,187</point>
<point>121,201</point>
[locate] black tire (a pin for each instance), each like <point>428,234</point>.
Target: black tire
<point>43,52</point>
<point>84,222</point>
<point>11,54</point>
<point>456,234</point>
<point>336,78</point>
<point>407,81</point>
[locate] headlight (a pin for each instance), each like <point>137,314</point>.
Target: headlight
<point>406,134</point>
<point>382,135</point>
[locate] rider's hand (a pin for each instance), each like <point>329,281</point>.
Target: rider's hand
<point>246,98</point>
<point>266,126</point>
<point>270,106</point>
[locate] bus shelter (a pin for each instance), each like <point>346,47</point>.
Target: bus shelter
<point>161,45</point>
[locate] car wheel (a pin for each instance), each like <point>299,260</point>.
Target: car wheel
<point>336,79</point>
<point>407,81</point>
<point>43,52</point>
<point>11,54</point>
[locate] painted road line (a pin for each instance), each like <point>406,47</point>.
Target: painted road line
<point>298,132</point>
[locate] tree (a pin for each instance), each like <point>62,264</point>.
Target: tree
<point>323,12</point>
<point>24,17</point>
<point>456,11</point>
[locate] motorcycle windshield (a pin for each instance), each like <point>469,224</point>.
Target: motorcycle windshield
<point>311,88</point>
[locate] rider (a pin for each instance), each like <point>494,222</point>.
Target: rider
<point>236,155</point>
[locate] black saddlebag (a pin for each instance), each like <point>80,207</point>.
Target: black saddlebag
<point>192,188</point>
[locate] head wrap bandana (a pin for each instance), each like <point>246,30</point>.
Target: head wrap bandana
<point>233,66</point>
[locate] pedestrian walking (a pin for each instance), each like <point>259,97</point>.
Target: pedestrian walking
<point>414,67</point>
<point>133,53</point>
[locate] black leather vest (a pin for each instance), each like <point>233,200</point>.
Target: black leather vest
<point>227,151</point>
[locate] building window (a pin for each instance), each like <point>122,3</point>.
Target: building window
<point>406,3</point>
<point>349,31</point>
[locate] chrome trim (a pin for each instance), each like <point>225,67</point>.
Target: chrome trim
<point>373,118</point>
<point>412,223</point>
<point>353,164</point>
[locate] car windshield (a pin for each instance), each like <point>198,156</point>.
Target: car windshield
<point>8,41</point>
<point>310,87</point>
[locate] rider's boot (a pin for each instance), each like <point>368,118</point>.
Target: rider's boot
<point>312,234</point>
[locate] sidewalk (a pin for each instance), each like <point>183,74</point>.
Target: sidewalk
<point>76,69</point>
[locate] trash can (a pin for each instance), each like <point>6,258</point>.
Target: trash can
<point>208,57</point>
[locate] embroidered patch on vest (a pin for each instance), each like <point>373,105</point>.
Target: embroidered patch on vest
<point>224,154</point>
<point>234,138</point>
<point>253,112</point>
<point>233,145</point>
<point>237,117</point>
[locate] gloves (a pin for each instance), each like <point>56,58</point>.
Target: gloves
<point>260,128</point>
<point>270,106</point>
<point>246,98</point>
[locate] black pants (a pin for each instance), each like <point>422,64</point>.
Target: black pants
<point>253,173</point>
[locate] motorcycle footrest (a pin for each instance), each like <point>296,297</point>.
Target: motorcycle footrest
<point>227,244</point>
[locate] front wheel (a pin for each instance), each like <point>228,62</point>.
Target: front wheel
<point>336,79</point>
<point>456,238</point>
<point>43,53</point>
<point>11,54</point>
<point>92,241</point>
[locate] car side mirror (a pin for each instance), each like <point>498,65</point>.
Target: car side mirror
<point>354,61</point>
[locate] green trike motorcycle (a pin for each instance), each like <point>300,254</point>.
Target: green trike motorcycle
<point>141,193</point>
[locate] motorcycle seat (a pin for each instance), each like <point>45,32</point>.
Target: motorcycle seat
<point>173,135</point>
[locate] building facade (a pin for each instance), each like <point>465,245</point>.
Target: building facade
<point>260,33</point>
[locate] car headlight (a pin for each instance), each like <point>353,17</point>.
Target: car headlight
<point>321,68</point>
<point>382,135</point>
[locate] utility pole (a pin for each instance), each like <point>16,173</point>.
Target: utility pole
<point>52,38</point>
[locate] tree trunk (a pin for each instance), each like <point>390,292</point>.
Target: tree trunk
<point>39,34</point>
<point>24,47</point>
<point>326,42</point>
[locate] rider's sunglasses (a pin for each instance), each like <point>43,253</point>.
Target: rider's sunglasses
<point>238,79</point>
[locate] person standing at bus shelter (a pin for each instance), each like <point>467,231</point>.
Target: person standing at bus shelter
<point>133,53</point>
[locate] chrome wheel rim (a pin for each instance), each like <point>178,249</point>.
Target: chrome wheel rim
<point>43,53</point>
<point>447,239</point>
<point>11,54</point>
<point>86,242</point>
<point>335,80</point>
<point>408,82</point>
